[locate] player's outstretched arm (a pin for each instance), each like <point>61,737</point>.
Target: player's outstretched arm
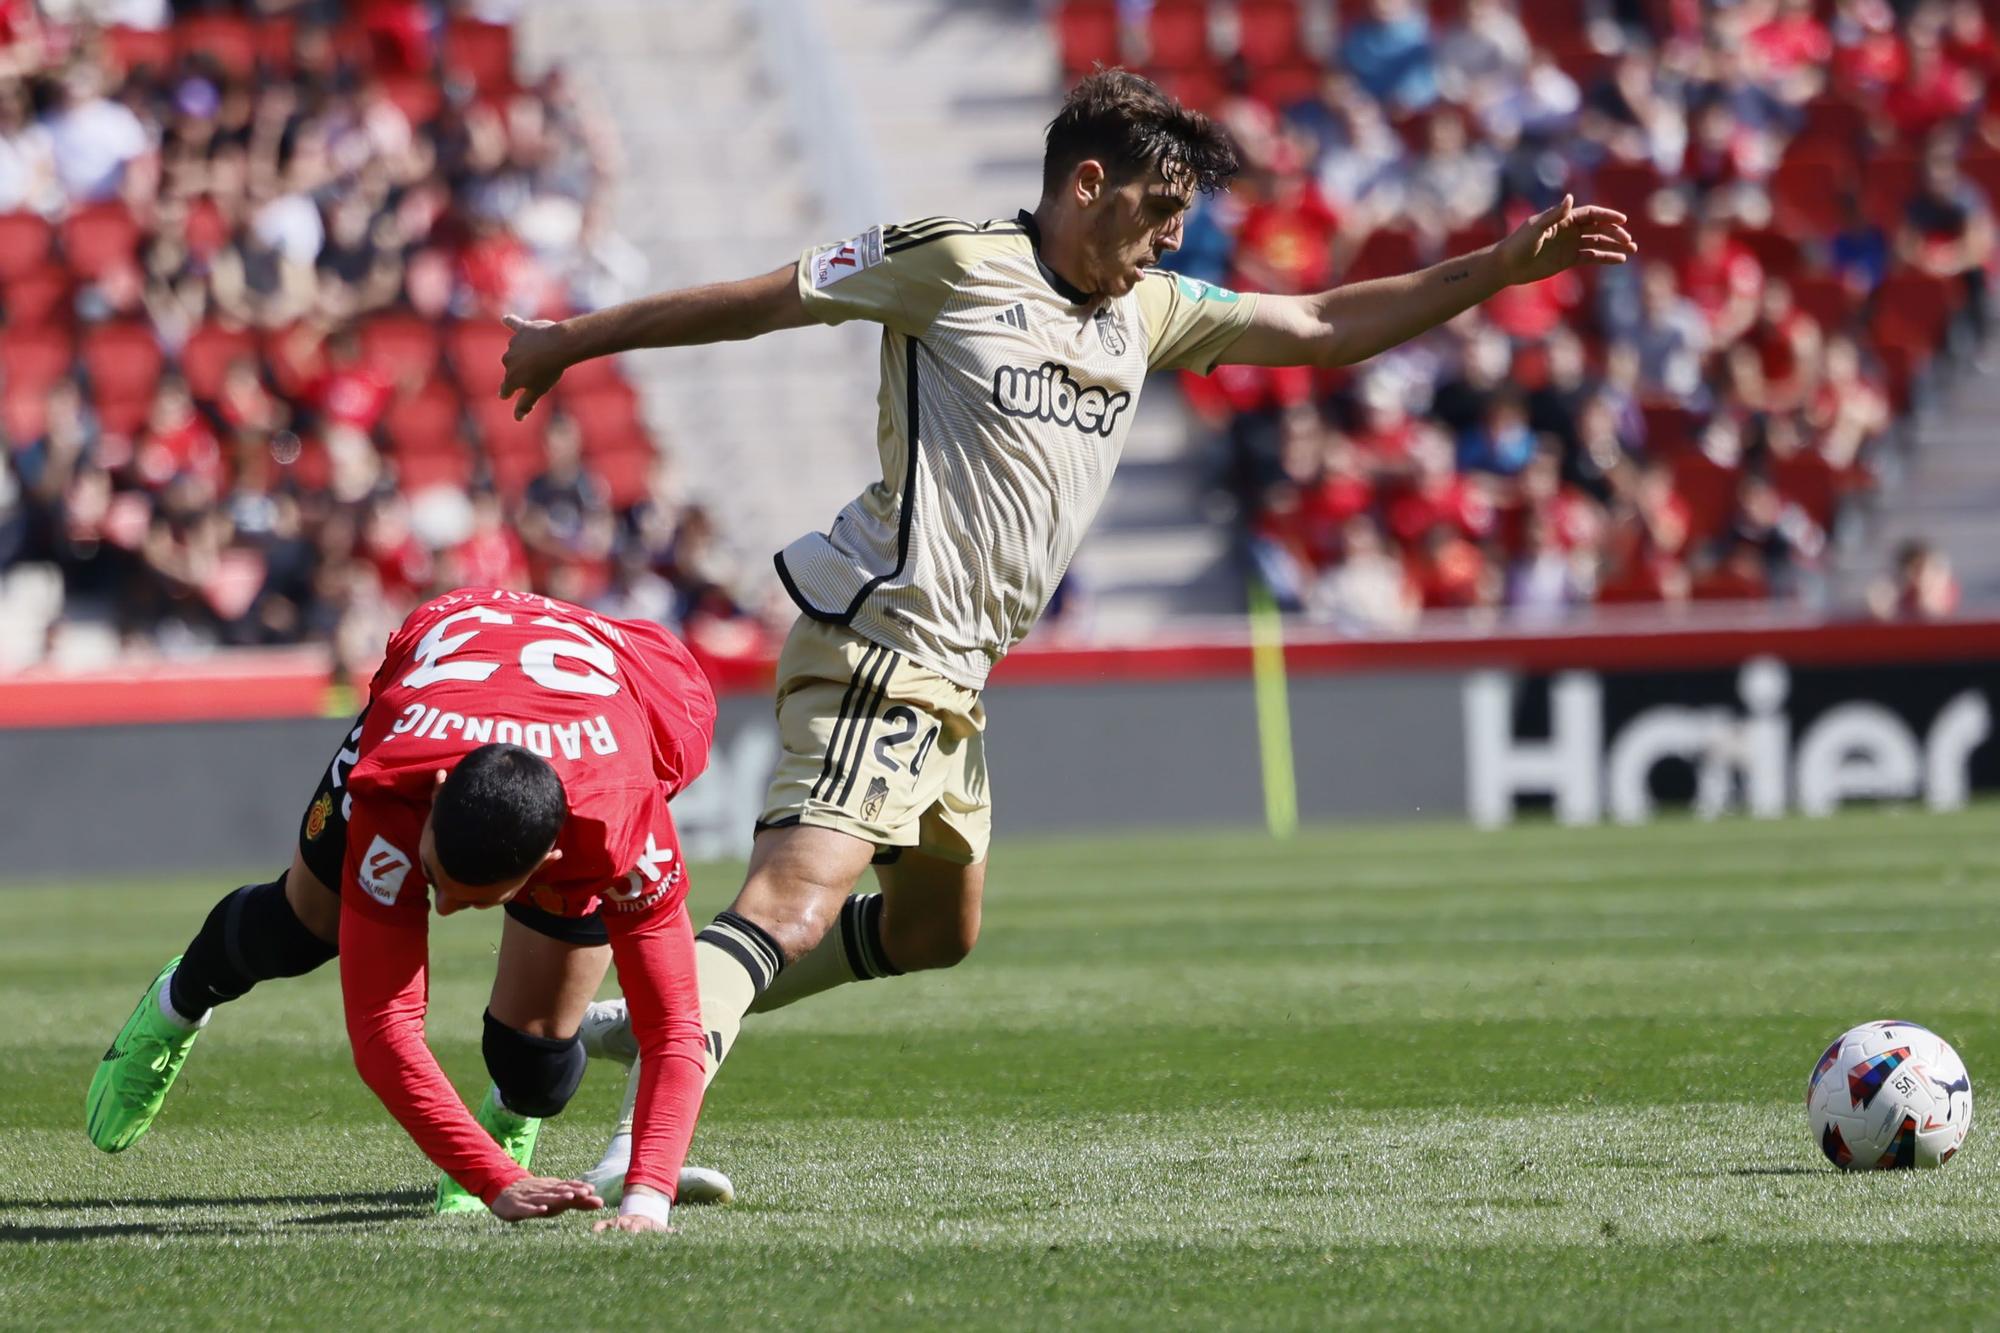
<point>1353,323</point>
<point>541,350</point>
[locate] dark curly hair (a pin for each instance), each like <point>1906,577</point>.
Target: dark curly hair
<point>1128,124</point>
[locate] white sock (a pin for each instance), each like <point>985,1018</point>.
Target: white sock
<point>175,1016</point>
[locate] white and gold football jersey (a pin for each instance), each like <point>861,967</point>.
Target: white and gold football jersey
<point>1005,402</point>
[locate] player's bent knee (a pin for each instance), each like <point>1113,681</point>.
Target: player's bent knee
<point>536,1076</point>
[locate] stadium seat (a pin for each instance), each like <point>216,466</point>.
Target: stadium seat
<point>482,52</point>
<point>22,416</point>
<point>1670,429</point>
<point>1087,33</point>
<point>42,297</point>
<point>511,473</point>
<point>499,433</point>
<point>1833,123</point>
<point>1812,483</point>
<point>208,353</point>
<point>1982,168</point>
<point>1475,235</point>
<point>1549,22</point>
<point>1913,308</point>
<point>417,96</point>
<point>34,357</point>
<point>1580,58</point>
<point>277,42</point>
<point>421,470</point>
<point>1806,193</point>
<point>424,420</point>
<point>400,345</point>
<point>1628,187</point>
<point>1268,34</point>
<point>1177,33</point>
<point>1900,366</point>
<point>230,40</point>
<point>473,348</point>
<point>122,357</point>
<point>605,417</point>
<point>99,237</point>
<point>1827,298</point>
<point>1777,251</point>
<point>1709,489</point>
<point>1281,86</point>
<point>1888,180</point>
<point>626,470</point>
<point>127,49</point>
<point>25,242</point>
<point>1386,253</point>
<point>1203,87</point>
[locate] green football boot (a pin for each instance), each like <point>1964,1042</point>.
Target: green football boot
<point>516,1134</point>
<point>133,1078</point>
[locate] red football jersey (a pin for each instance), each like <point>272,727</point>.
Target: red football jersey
<point>625,717</point>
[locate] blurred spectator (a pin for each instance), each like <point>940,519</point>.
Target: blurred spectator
<point>1948,229</point>
<point>99,144</point>
<point>1389,54</point>
<point>1920,586</point>
<point>1369,592</point>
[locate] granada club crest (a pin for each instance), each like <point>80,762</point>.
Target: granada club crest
<point>316,817</point>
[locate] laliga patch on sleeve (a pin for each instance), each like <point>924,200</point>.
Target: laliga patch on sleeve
<point>383,869</point>
<point>1194,289</point>
<point>846,259</point>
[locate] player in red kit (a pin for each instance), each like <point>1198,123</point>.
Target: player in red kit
<point>516,751</point>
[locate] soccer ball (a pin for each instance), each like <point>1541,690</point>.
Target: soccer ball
<point>1889,1094</point>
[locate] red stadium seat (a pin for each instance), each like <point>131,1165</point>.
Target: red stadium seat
<point>1899,370</point>
<point>39,298</point>
<point>1626,186</point>
<point>422,470</point>
<point>127,49</point>
<point>1385,254</point>
<point>1177,33</point>
<point>1806,193</point>
<point>1203,87</point>
<point>511,473</point>
<point>229,40</point>
<point>277,42</point>
<point>482,52</point>
<point>1888,180</point>
<point>1709,489</point>
<point>99,237</point>
<point>400,345</point>
<point>627,471</point>
<point>1281,86</point>
<point>25,242</point>
<point>1777,251</point>
<point>1827,298</point>
<point>417,96</point>
<point>1982,168</point>
<point>32,359</point>
<point>1812,483</point>
<point>1579,57</point>
<point>500,434</point>
<point>1833,123</point>
<point>1476,235</point>
<point>123,360</point>
<point>1268,34</point>
<point>1549,22</point>
<point>604,417</point>
<point>1913,308</point>
<point>122,415</point>
<point>425,420</point>
<point>473,348</point>
<point>23,415</point>
<point>294,357</point>
<point>1087,33</point>
<point>207,227</point>
<point>1670,429</point>
<point>208,354</point>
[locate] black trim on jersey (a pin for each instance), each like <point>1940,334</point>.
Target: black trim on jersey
<point>1064,288</point>
<point>840,720</point>
<point>903,526</point>
<point>984,229</point>
<point>867,721</point>
<point>903,231</point>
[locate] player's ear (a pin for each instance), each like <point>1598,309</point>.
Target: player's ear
<point>1088,181</point>
<point>441,776</point>
<point>555,855</point>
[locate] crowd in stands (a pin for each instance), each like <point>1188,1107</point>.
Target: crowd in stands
<point>252,262</point>
<point>1809,184</point>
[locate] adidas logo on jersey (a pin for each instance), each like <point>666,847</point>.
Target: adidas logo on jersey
<point>1050,393</point>
<point>1014,316</point>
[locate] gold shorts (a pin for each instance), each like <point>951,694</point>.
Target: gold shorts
<point>877,746</point>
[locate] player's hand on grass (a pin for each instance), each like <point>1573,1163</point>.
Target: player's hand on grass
<point>534,361</point>
<point>632,1222</point>
<point>543,1196</point>
<point>1562,237</point>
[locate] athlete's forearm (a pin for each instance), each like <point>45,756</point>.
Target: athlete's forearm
<point>656,969</point>
<point>718,312</point>
<point>1363,319</point>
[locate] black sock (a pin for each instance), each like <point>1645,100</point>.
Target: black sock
<point>252,935</point>
<point>861,936</point>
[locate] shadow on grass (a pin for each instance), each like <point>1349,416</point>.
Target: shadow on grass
<point>395,1205</point>
<point>220,1201</point>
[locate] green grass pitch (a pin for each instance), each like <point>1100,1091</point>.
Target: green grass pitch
<point>1395,1077</point>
